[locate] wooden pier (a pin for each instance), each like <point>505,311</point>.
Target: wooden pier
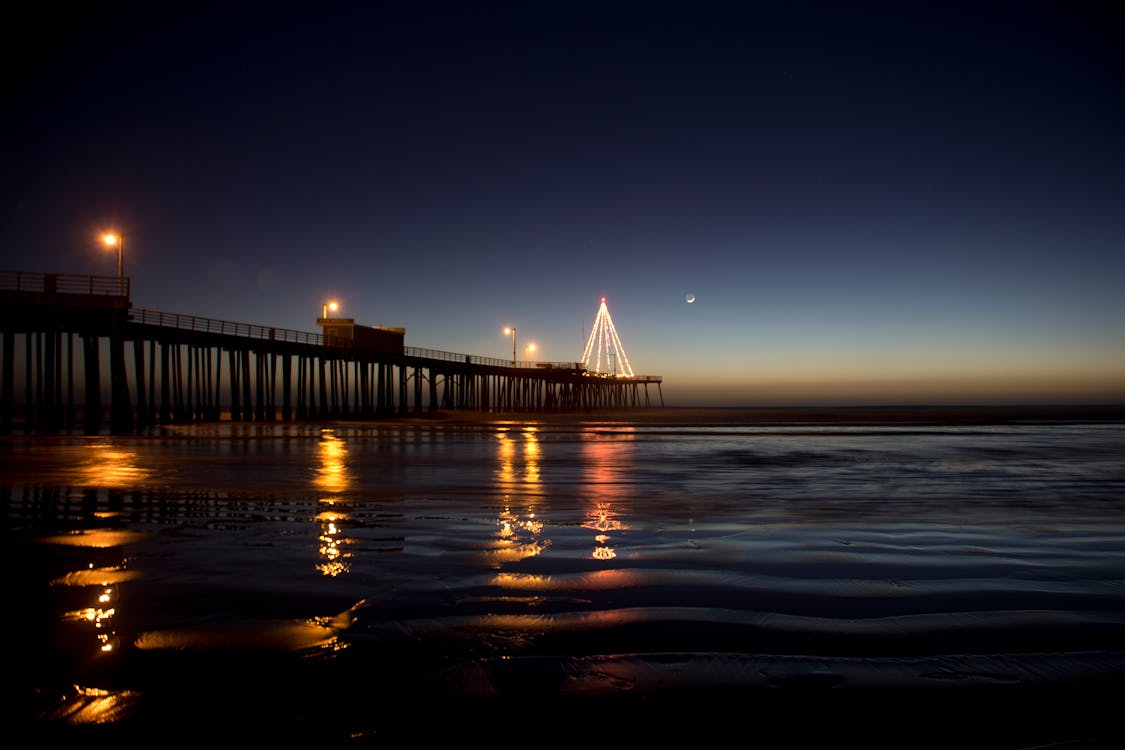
<point>76,353</point>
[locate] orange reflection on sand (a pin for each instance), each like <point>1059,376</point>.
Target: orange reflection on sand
<point>108,466</point>
<point>512,525</point>
<point>531,455</point>
<point>595,580</point>
<point>523,581</point>
<point>331,544</point>
<point>279,635</point>
<point>332,470</point>
<point>505,450</point>
<point>102,609</point>
<point>95,577</point>
<point>100,538</point>
<point>334,478</point>
<point>614,578</point>
<point>517,536</point>
<point>509,471</point>
<point>100,617</point>
<point>100,584</point>
<point>603,553</point>
<point>607,457</point>
<point>93,706</point>
<point>515,552</point>
<point>603,519</point>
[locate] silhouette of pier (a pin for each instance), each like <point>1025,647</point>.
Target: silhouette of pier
<point>84,344</point>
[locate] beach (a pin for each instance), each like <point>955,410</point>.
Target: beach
<point>890,577</point>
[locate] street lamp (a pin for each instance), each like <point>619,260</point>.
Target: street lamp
<point>328,306</point>
<point>511,330</point>
<point>112,239</point>
<point>527,350</point>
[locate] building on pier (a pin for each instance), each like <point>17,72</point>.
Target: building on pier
<point>344,332</point>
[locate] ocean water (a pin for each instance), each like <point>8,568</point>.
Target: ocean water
<point>330,583</point>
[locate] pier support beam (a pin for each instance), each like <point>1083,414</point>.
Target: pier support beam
<point>93,381</point>
<point>8,399</point>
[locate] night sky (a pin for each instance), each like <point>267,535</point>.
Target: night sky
<point>871,203</point>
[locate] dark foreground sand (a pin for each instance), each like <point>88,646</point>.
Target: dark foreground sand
<point>810,713</point>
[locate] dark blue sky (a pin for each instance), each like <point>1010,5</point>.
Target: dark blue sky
<point>871,202</point>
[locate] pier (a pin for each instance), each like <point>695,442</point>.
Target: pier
<point>77,354</point>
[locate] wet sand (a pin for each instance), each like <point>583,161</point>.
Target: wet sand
<point>676,676</point>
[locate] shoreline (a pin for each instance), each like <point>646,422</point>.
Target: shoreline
<point>679,416</point>
<point>780,415</point>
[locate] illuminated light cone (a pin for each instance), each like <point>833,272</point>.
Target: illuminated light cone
<point>604,353</point>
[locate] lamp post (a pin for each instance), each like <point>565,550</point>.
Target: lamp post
<point>527,350</point>
<point>113,239</point>
<point>511,330</point>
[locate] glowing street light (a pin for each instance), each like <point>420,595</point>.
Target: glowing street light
<point>113,239</point>
<point>527,350</point>
<point>331,306</point>
<point>511,330</point>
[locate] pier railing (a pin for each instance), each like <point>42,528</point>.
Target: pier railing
<point>185,322</point>
<point>473,359</point>
<point>64,283</point>
<point>225,327</point>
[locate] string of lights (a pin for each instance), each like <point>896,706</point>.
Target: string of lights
<point>604,354</point>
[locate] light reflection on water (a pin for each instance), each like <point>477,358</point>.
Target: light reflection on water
<point>332,474</point>
<point>333,544</point>
<point>517,459</point>
<point>333,478</point>
<point>269,537</point>
<point>519,532</point>
<point>108,465</point>
<point>607,462</point>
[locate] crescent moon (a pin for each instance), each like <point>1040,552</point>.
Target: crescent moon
<point>689,297</point>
